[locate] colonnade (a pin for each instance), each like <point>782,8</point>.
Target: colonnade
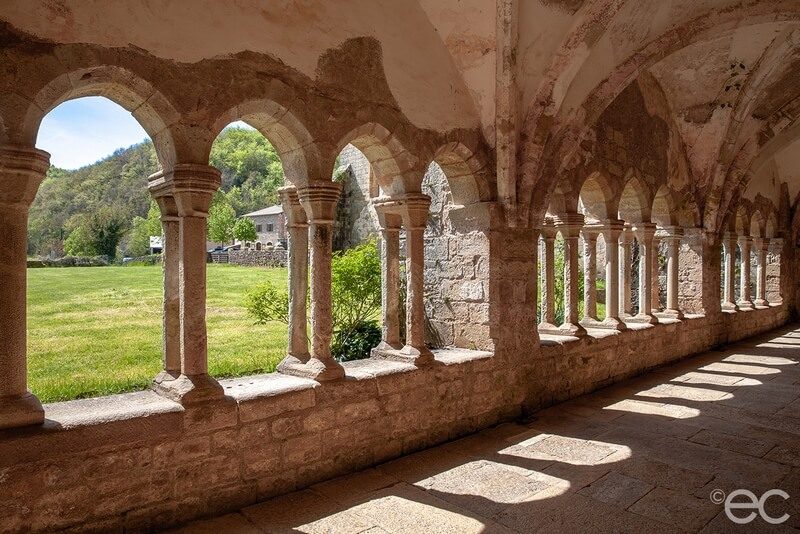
<point>746,245</point>
<point>618,238</point>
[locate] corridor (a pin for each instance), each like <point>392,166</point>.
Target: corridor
<point>649,454</point>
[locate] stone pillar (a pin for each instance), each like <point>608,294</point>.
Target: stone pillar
<point>625,265</point>
<point>644,233</point>
<point>775,281</point>
<point>729,248</point>
<point>171,265</point>
<point>673,240</point>
<point>548,278</point>
<point>590,276</point>
<point>655,287</point>
<point>761,246</point>
<point>745,302</point>
<point>570,227</point>
<point>22,169</point>
<point>297,225</point>
<point>612,229</point>
<point>390,222</point>
<point>415,207</point>
<point>192,188</point>
<point>319,201</point>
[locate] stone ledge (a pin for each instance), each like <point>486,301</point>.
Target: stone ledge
<point>95,411</point>
<point>252,387</point>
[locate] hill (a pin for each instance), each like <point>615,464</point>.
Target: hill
<point>113,191</point>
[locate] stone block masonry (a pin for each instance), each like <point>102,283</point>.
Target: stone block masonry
<point>259,258</point>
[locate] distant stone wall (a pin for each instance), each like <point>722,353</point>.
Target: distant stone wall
<point>259,258</point>
<point>355,219</point>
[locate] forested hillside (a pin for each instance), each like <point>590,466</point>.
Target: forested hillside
<point>104,208</point>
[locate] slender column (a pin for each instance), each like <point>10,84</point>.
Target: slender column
<point>297,224</point>
<point>611,234</point>
<point>570,227</point>
<point>673,241</point>
<point>319,201</point>
<point>625,263</point>
<point>192,187</point>
<point>590,275</point>
<point>729,248</point>
<point>415,216</point>
<point>22,169</point>
<point>548,277</point>
<point>655,288</point>
<point>644,236</point>
<point>390,222</point>
<point>745,302</point>
<point>761,245</point>
<point>171,264</point>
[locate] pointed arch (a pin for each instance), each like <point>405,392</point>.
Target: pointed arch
<point>634,202</point>
<point>596,198</point>
<point>664,211</point>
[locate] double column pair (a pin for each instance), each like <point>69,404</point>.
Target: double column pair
<point>729,243</point>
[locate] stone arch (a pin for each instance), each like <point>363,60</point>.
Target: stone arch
<point>558,203</point>
<point>147,105</point>
<point>294,144</point>
<point>634,201</point>
<point>596,198</point>
<point>467,173</point>
<point>390,160</point>
<point>771,225</point>
<point>757,224</point>
<point>742,219</point>
<point>664,211</point>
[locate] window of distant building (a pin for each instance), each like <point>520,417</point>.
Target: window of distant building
<point>258,228</point>
<point>269,227</point>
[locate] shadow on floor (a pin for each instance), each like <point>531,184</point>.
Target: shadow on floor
<point>644,455</point>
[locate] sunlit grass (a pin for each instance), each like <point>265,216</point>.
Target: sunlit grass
<point>97,330</point>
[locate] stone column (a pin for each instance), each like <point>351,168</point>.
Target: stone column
<point>192,188</point>
<point>729,248</point>
<point>548,278</point>
<point>590,276</point>
<point>625,265</point>
<point>319,200</point>
<point>644,236</point>
<point>673,240</point>
<point>761,245</point>
<point>745,302</point>
<point>415,217</point>
<point>22,169</point>
<point>390,222</point>
<point>297,225</point>
<point>612,229</point>
<point>570,227</point>
<point>655,287</point>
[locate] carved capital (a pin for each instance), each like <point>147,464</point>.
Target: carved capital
<point>319,200</point>
<point>191,187</point>
<point>292,209</point>
<point>22,169</point>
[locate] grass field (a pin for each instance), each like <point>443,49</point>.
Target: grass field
<point>97,330</point>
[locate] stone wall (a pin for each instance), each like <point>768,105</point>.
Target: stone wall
<point>139,461</point>
<point>355,219</point>
<point>276,257</point>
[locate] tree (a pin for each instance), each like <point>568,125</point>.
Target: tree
<point>245,230</point>
<point>221,219</point>
<point>141,230</point>
<point>106,228</point>
<point>80,243</point>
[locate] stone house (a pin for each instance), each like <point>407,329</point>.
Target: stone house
<point>270,226</point>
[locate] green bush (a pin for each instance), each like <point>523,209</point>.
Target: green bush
<point>356,296</point>
<point>357,342</point>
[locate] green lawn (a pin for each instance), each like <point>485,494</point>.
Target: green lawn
<point>97,330</point>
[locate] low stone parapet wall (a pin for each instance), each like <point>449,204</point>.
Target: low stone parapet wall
<point>259,258</point>
<point>138,461</point>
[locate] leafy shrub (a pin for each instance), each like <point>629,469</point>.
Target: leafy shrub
<point>356,296</point>
<point>357,342</point>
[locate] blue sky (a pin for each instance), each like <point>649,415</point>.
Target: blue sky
<point>84,130</point>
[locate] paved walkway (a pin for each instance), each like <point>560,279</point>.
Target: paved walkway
<point>641,456</point>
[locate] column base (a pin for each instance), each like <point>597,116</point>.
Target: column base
<point>21,410</point>
<point>315,369</point>
<point>760,303</point>
<point>671,314</point>
<point>187,389</point>
<point>572,329</point>
<point>384,345</point>
<point>407,354</point>
<point>610,323</point>
<point>744,305</point>
<point>729,307</point>
<point>643,318</point>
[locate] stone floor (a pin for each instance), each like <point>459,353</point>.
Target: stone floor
<point>642,456</point>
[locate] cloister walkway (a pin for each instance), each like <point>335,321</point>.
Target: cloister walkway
<point>641,456</point>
